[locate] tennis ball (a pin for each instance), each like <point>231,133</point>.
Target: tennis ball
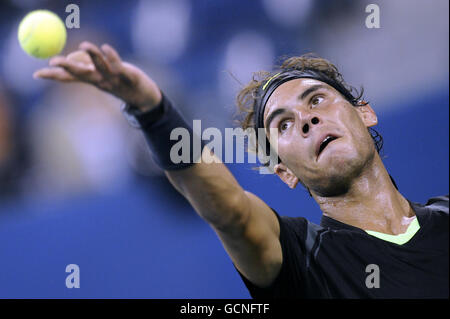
<point>42,34</point>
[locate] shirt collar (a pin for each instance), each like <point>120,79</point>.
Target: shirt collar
<point>328,222</point>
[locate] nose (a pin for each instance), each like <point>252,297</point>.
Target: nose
<point>307,122</point>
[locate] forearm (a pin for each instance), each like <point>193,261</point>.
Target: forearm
<point>209,187</point>
<point>213,192</point>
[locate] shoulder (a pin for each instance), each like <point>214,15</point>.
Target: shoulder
<point>293,222</point>
<point>293,226</point>
<point>438,204</point>
<point>298,229</point>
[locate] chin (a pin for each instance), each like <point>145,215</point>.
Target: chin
<point>337,172</point>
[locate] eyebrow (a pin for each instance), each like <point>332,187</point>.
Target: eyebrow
<point>302,96</point>
<point>310,90</point>
<point>273,115</point>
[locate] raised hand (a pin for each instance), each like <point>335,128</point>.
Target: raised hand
<point>103,68</point>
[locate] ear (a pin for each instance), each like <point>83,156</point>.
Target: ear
<point>367,115</point>
<point>286,175</point>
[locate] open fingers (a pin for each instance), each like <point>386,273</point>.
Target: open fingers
<point>56,73</point>
<point>101,64</point>
<point>85,72</point>
<point>80,56</point>
<point>112,56</point>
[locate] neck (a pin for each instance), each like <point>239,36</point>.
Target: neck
<point>371,203</point>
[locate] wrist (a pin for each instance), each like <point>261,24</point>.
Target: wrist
<point>148,104</point>
<point>149,99</point>
<point>140,116</point>
<point>158,126</point>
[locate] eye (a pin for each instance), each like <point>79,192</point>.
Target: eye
<point>284,125</point>
<point>316,100</point>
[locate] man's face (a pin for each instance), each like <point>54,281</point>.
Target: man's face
<point>322,138</point>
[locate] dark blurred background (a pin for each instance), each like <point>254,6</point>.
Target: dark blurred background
<point>77,184</point>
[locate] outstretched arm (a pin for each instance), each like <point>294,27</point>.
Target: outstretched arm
<point>247,227</point>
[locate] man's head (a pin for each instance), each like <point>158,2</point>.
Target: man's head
<point>323,137</point>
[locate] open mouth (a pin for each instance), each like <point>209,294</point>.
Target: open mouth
<point>327,140</point>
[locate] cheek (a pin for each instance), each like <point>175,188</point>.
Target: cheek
<point>294,155</point>
<point>349,120</point>
<point>285,148</point>
<point>289,150</point>
<point>359,131</point>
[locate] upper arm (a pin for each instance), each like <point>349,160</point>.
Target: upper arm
<point>248,228</point>
<point>253,244</point>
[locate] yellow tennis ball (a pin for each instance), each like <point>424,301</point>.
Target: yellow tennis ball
<point>42,34</point>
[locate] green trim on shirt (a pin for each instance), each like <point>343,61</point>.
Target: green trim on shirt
<point>399,239</point>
